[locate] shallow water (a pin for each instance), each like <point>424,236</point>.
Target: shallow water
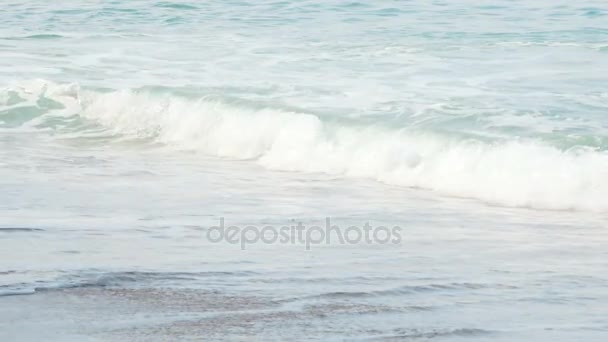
<point>129,129</point>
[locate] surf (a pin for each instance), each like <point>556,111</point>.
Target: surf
<point>514,172</point>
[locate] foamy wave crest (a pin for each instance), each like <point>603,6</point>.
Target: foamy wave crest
<point>512,173</point>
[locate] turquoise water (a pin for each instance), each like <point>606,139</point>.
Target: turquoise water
<point>479,127</point>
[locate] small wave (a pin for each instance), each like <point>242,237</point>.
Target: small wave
<point>137,277</point>
<point>9,293</point>
<point>7,272</point>
<point>421,334</point>
<point>18,230</point>
<point>37,37</point>
<point>175,6</point>
<point>324,309</point>
<point>115,280</point>
<point>408,289</point>
<point>324,280</point>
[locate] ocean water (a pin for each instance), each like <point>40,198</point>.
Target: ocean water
<point>129,130</point>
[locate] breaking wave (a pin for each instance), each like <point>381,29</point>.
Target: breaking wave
<point>515,172</point>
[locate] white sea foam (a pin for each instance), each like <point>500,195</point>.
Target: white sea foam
<point>513,173</point>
